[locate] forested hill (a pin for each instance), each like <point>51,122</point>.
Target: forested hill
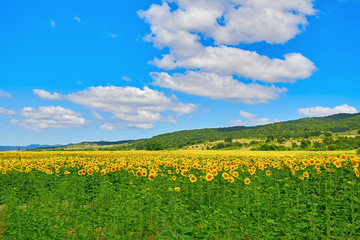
<point>305,127</point>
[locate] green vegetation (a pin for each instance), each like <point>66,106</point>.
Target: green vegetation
<point>154,146</point>
<point>301,130</point>
<point>63,196</point>
<point>317,133</point>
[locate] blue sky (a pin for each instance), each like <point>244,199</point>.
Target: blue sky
<point>73,71</point>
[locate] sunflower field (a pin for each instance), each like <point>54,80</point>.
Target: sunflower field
<point>179,195</point>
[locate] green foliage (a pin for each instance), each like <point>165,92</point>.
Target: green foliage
<point>269,147</point>
<point>328,134</point>
<point>270,137</point>
<point>154,146</point>
<point>226,145</point>
<point>295,129</point>
<point>306,127</point>
<point>304,143</point>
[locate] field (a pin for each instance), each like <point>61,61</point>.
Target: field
<point>179,195</point>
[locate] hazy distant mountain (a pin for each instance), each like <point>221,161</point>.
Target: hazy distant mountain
<point>28,147</point>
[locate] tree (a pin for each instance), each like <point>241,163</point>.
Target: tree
<point>229,139</point>
<point>154,146</point>
<point>328,134</point>
<point>317,145</point>
<point>328,140</point>
<point>306,135</point>
<point>270,137</point>
<point>304,143</point>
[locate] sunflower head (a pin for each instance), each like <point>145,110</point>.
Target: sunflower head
<point>193,178</point>
<point>209,177</point>
<point>225,175</point>
<point>231,179</point>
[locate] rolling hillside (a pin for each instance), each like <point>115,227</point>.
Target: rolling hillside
<point>300,128</point>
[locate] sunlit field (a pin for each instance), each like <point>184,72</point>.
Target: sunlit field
<point>179,195</point>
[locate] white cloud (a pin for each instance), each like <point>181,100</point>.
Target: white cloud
<point>77,19</point>
<point>319,111</point>
<point>5,111</point>
<point>126,78</point>
<point>228,21</point>
<point>244,114</point>
<point>113,35</point>
<point>134,106</point>
<point>217,86</point>
<point>4,94</point>
<point>97,115</point>
<point>142,125</point>
<point>246,64</point>
<point>172,120</point>
<point>52,23</point>
<point>49,117</point>
<point>252,122</point>
<point>46,95</point>
<point>107,126</point>
<point>182,28</point>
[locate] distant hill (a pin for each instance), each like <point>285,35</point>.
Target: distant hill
<point>28,147</point>
<point>305,127</point>
<point>300,128</point>
<point>88,145</point>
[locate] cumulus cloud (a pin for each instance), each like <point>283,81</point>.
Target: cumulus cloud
<point>107,126</point>
<point>49,117</point>
<point>217,86</point>
<point>229,21</point>
<point>142,125</point>
<point>251,120</point>
<point>319,111</point>
<point>134,106</point>
<point>244,114</point>
<point>46,95</point>
<point>5,111</point>
<point>250,65</point>
<point>181,25</point>
<point>4,94</point>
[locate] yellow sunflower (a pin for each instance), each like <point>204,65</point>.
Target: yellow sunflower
<point>209,177</point>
